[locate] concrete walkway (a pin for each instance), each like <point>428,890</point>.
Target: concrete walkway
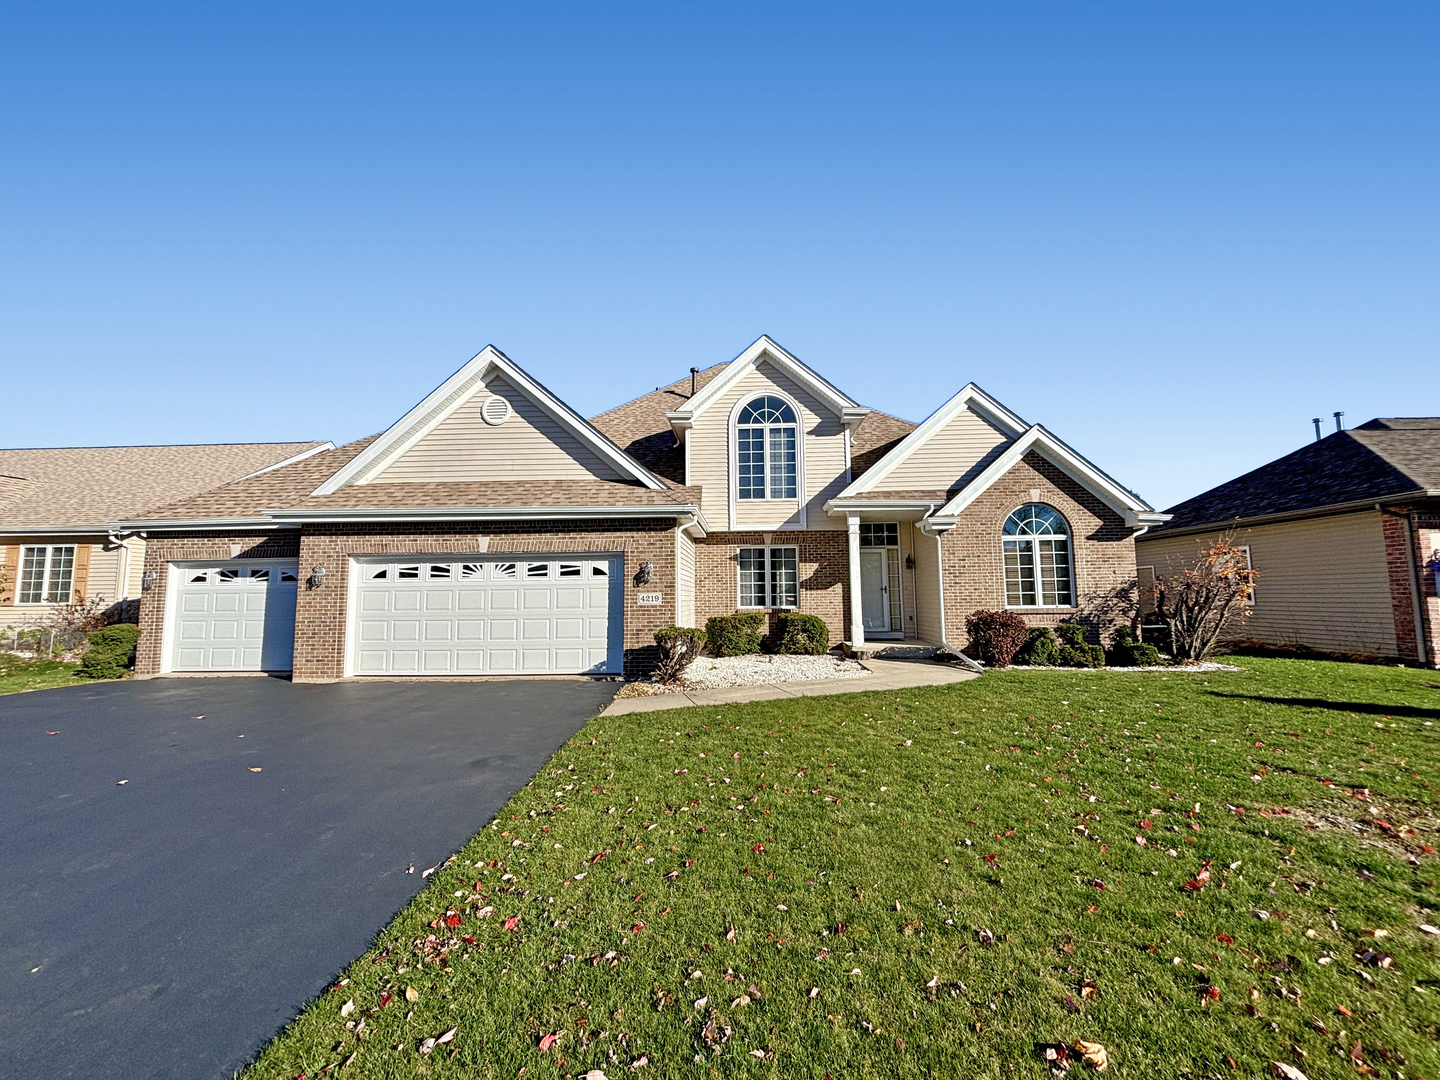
<point>887,675</point>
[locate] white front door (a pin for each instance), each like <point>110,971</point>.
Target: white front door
<point>237,615</point>
<point>452,615</point>
<point>874,590</point>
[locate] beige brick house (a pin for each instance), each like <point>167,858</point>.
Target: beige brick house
<point>55,506</point>
<point>1344,534</point>
<point>492,530</point>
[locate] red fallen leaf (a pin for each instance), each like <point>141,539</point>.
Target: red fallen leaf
<point>512,922</point>
<point>547,1041</point>
<point>637,928</point>
<point>1428,849</point>
<point>1195,886</point>
<point>1140,840</point>
<point>1210,993</point>
<point>758,848</point>
<point>479,886</point>
<point>452,919</point>
<point>467,939</point>
<point>1098,884</point>
<point>1091,910</point>
<point>597,858</point>
<point>385,999</point>
<point>1145,823</point>
<point>1225,939</point>
<point>991,858</point>
<point>1343,1011</point>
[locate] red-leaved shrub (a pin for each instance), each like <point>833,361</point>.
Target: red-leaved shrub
<point>995,636</point>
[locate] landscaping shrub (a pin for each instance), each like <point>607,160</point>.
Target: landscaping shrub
<point>111,652</point>
<point>801,635</point>
<point>1073,634</point>
<point>679,645</point>
<point>1040,650</point>
<point>1086,656</point>
<point>735,635</point>
<point>1142,655</point>
<point>996,636</point>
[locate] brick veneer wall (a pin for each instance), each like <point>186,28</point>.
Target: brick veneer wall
<point>320,612</point>
<point>161,551</point>
<point>824,572</point>
<point>1102,547</point>
<point>1424,533</point>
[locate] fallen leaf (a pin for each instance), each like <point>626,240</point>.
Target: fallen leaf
<point>730,934</point>
<point>593,1074</point>
<point>254,768</point>
<point>512,922</point>
<point>1093,1054</point>
<point>1426,928</point>
<point>347,1008</point>
<point>118,783</point>
<point>1288,1072</point>
<point>449,1036</point>
<point>1225,939</point>
<point>640,1062</point>
<point>547,1041</point>
<point>411,994</point>
<point>52,733</point>
<point>700,1003</point>
<point>485,912</point>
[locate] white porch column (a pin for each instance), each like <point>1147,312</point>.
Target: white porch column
<point>857,620</point>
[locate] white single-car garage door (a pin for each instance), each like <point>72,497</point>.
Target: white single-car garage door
<point>451,615</point>
<point>237,615</point>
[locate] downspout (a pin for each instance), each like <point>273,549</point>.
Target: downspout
<point>940,596</point>
<point>1416,607</point>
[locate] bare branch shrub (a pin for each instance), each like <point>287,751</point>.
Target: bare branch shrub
<point>1201,600</point>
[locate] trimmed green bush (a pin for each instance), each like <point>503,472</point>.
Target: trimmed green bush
<point>1040,650</point>
<point>110,653</point>
<point>679,645</point>
<point>801,635</point>
<point>1072,634</point>
<point>1138,654</point>
<point>735,635</point>
<point>996,636</point>
<point>1084,656</point>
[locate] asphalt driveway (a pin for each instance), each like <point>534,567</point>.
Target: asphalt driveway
<point>168,926</point>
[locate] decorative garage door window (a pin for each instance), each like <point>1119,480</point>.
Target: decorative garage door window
<point>459,616</point>
<point>234,616</point>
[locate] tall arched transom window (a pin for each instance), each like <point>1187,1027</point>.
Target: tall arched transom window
<point>765,449</point>
<point>1037,558</point>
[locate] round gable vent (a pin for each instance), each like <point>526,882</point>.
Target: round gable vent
<point>495,411</point>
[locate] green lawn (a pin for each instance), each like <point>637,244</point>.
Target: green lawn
<point>853,858</point>
<point>17,674</point>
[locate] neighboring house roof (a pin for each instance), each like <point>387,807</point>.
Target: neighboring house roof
<point>642,429</point>
<point>286,494</point>
<point>1382,459</point>
<point>449,396</point>
<point>81,488</point>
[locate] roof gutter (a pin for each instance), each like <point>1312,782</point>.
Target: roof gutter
<point>51,530</point>
<point>485,513</point>
<point>131,528</point>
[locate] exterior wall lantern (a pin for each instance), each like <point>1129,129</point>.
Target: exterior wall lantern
<point>317,575</point>
<point>645,574</point>
<point>147,579</point>
<point>909,562</point>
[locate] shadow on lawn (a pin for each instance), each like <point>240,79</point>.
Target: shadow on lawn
<point>1358,707</point>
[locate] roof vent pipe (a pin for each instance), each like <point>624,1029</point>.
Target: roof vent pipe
<point>693,372</point>
<point>1339,423</point>
<point>1316,421</point>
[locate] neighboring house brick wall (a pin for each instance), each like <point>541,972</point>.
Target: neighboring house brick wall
<point>823,571</point>
<point>162,550</point>
<point>1102,548</point>
<point>320,613</point>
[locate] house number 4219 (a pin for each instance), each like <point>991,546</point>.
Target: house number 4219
<point>649,598</point>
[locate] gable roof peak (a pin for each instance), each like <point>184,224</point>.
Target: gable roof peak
<point>446,398</point>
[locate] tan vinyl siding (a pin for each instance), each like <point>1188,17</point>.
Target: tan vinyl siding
<point>530,445</point>
<point>927,589</point>
<point>948,455</point>
<point>823,458</point>
<point>1322,583</point>
<point>684,580</point>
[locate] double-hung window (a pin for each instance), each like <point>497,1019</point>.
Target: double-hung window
<point>769,577</point>
<point>47,574</point>
<point>765,431</point>
<point>1037,558</point>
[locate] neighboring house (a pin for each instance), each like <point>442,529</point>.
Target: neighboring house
<point>1343,534</point>
<point>55,543</point>
<point>492,530</point>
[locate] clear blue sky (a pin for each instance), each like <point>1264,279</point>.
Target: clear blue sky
<point>1171,233</point>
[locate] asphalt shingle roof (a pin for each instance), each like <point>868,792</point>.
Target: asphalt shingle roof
<point>84,487</point>
<point>1381,459</point>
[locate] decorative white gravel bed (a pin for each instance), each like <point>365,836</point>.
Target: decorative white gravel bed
<point>709,673</point>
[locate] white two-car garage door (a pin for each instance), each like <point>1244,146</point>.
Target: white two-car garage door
<point>237,615</point>
<point>450,615</point>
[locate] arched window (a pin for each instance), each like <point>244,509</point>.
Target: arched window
<point>1037,558</point>
<point>765,449</point>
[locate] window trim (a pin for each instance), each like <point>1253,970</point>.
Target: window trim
<point>770,605</point>
<point>733,460</point>
<point>45,572</point>
<point>1249,565</point>
<point>1067,536</point>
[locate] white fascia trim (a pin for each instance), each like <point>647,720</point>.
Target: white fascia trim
<point>1060,455</point>
<point>487,513</point>
<point>849,411</point>
<point>839,506</point>
<point>971,396</point>
<point>408,430</point>
<point>291,460</point>
<point>53,530</point>
<point>188,524</point>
